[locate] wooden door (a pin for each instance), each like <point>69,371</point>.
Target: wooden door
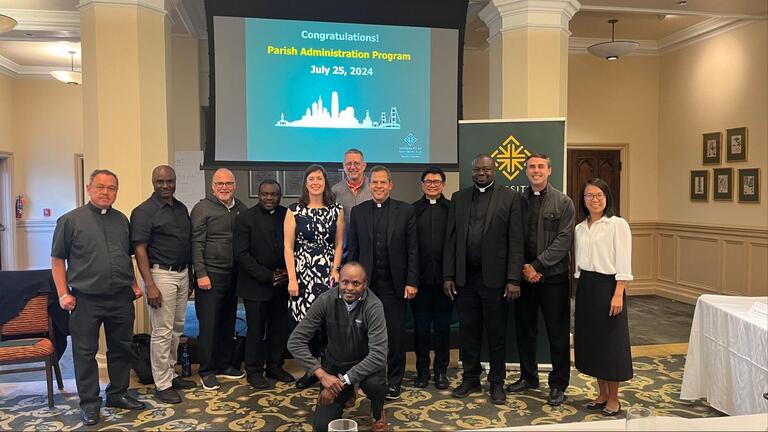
<point>586,164</point>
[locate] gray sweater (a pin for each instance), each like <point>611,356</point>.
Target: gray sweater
<point>357,340</point>
<point>212,228</point>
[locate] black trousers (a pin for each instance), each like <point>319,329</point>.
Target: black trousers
<point>374,386</point>
<point>394,314</point>
<point>267,333</point>
<point>555,306</point>
<point>432,309</point>
<point>216,309</point>
<point>480,306</point>
<point>116,313</point>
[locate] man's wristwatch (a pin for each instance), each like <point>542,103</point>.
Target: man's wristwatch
<point>344,379</point>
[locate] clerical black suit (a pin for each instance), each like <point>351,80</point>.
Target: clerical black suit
<point>431,307</point>
<point>258,244</point>
<point>382,237</point>
<point>484,250</point>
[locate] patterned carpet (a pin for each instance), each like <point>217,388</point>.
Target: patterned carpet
<point>237,406</point>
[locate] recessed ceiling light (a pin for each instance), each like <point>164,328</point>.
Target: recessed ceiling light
<point>29,34</point>
<point>682,2</point>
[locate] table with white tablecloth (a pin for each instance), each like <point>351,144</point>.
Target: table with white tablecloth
<point>754,422</point>
<point>727,360</point>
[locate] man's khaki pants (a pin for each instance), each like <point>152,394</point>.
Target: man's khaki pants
<point>167,324</point>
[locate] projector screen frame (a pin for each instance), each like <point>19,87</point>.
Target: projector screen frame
<point>448,14</point>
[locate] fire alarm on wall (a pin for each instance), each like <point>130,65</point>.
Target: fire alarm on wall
<point>47,212</point>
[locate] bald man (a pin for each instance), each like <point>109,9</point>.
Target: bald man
<point>213,222</point>
<point>160,234</point>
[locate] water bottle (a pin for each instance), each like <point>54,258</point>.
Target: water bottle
<point>186,362</point>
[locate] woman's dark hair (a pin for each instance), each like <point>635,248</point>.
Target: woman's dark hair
<point>603,186</point>
<point>329,198</point>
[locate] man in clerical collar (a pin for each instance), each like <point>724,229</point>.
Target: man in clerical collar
<point>353,189</point>
<point>93,272</point>
<point>549,223</point>
<point>431,307</point>
<point>382,237</point>
<point>482,268</point>
<point>262,282</point>
<point>161,236</point>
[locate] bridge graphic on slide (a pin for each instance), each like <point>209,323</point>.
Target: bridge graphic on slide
<point>318,116</point>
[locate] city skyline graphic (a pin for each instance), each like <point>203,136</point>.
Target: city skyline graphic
<point>318,116</point>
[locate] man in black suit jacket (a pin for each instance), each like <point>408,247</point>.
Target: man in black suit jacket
<point>482,267</point>
<point>262,282</point>
<point>382,237</point>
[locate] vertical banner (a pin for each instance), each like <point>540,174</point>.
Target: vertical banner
<point>509,142</point>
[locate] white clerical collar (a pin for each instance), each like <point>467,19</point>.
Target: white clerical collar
<point>104,211</point>
<point>536,193</point>
<point>433,201</point>
<point>483,189</point>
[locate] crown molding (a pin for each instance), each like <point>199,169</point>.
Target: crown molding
<point>159,6</point>
<point>506,15</point>
<point>186,19</point>
<point>577,45</point>
<point>44,20</point>
<point>14,70</point>
<point>701,32</point>
<point>624,9</point>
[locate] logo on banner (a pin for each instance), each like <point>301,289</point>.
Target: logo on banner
<point>510,157</point>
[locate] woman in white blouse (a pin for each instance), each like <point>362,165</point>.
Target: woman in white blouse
<point>603,268</point>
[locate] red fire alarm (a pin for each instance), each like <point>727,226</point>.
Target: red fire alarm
<point>47,212</point>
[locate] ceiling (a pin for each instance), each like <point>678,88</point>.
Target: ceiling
<point>48,29</point>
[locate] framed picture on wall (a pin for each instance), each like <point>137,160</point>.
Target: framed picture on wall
<point>736,145</point>
<point>292,183</point>
<point>722,184</point>
<point>711,147</point>
<point>255,178</point>
<point>749,185</point>
<point>699,185</point>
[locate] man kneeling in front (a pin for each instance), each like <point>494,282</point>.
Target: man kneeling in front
<point>356,355</point>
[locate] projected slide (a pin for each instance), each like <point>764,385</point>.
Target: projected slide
<point>314,89</point>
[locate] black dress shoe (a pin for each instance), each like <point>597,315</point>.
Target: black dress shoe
<point>258,382</point>
<point>182,384</point>
<point>465,388</point>
<point>90,417</point>
<point>421,381</point>
<point>609,413</point>
<point>393,392</point>
<point>306,381</point>
<point>498,397</point>
<point>556,397</point>
<point>169,396</point>
<point>521,385</point>
<point>595,406</point>
<point>441,380</point>
<point>125,402</point>
<point>280,375</point>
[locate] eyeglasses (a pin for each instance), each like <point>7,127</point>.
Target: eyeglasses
<point>597,196</point>
<point>433,182</point>
<point>356,284</point>
<point>101,187</point>
<point>221,185</point>
<point>353,164</point>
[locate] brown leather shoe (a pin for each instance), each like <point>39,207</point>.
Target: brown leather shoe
<point>379,425</point>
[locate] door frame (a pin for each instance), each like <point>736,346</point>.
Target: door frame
<point>623,158</point>
<point>7,212</point>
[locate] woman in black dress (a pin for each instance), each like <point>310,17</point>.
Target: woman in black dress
<point>314,233</point>
<point>603,268</point>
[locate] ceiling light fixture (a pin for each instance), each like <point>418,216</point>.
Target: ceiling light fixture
<point>682,2</point>
<point>7,23</point>
<point>70,76</point>
<point>614,49</point>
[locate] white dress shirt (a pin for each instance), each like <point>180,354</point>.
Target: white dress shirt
<point>604,248</point>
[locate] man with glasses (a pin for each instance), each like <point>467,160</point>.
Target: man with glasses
<point>431,307</point>
<point>481,268</point>
<point>356,354</point>
<point>213,222</point>
<point>548,215</point>
<point>93,272</point>
<point>160,234</point>
<point>353,189</point>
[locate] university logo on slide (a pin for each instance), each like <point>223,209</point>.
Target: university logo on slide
<point>510,157</point>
